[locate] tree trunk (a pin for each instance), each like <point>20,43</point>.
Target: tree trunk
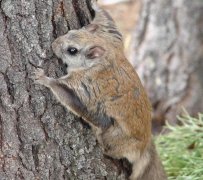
<point>167,53</point>
<point>39,138</point>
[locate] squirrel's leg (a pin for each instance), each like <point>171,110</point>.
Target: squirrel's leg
<point>62,92</point>
<point>118,145</point>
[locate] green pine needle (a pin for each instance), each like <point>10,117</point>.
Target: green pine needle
<point>181,150</point>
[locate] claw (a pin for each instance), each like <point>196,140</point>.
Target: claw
<point>39,73</point>
<point>36,74</point>
<point>39,77</point>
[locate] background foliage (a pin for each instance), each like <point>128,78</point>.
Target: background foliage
<point>182,149</point>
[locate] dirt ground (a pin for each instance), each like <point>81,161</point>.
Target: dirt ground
<point>126,15</point>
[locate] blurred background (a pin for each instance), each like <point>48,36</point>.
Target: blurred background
<point>164,42</point>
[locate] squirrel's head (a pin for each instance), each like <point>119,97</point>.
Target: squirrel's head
<point>83,49</point>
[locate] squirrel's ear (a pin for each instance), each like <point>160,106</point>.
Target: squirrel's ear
<point>95,52</point>
<point>91,28</point>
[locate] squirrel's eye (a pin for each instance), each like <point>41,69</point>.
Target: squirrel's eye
<point>72,51</point>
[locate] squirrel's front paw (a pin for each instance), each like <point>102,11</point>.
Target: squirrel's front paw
<point>40,78</point>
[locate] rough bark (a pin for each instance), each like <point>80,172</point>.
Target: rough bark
<point>167,54</point>
<point>39,139</point>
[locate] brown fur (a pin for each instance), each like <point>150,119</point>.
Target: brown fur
<point>103,89</point>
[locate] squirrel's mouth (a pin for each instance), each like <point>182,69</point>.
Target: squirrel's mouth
<point>66,65</point>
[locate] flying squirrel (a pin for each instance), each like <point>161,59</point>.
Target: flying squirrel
<point>104,89</point>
